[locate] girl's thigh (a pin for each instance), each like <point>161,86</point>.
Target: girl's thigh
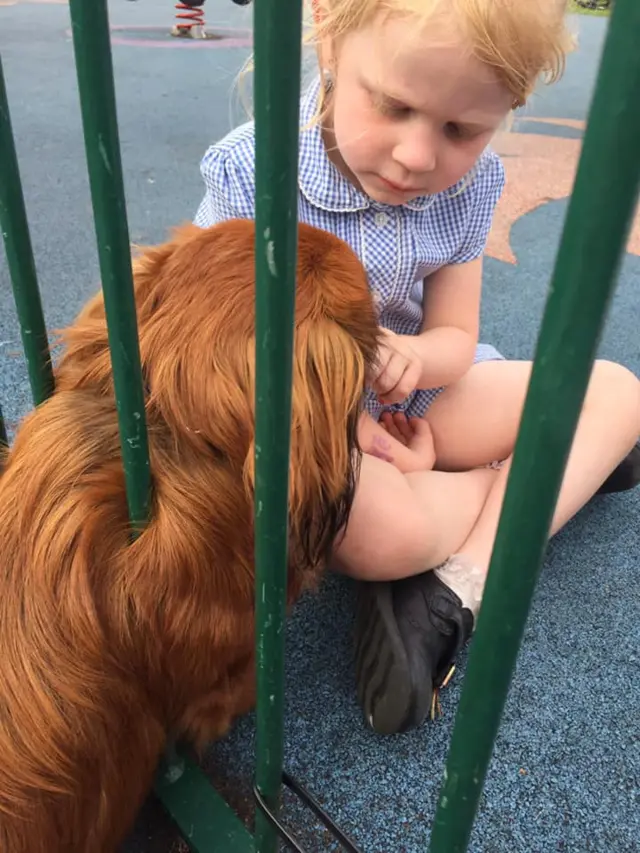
<point>475,422</point>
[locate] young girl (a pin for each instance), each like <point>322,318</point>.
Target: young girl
<point>394,159</point>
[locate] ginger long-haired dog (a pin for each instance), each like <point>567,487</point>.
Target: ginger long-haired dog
<point>107,645</point>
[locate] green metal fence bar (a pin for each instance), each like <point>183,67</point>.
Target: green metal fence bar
<point>594,238</point>
<point>206,821</point>
<point>4,438</point>
<point>22,268</point>
<point>277,45</point>
<point>181,788</point>
<point>90,26</point>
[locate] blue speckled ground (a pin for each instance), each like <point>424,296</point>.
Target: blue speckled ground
<point>565,774</point>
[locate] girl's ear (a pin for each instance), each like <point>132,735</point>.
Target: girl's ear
<point>324,45</point>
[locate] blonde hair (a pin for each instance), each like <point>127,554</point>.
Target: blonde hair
<point>523,41</point>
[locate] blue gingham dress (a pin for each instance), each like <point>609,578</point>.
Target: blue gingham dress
<point>399,246</point>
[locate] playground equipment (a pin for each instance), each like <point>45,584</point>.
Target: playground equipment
<point>190,22</point>
<point>593,242</point>
<point>595,4</point>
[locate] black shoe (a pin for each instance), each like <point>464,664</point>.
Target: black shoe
<point>408,633</point>
<point>626,476</point>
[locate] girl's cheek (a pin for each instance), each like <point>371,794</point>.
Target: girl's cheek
<point>459,164</point>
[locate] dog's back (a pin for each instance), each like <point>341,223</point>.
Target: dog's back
<point>63,525</point>
<point>108,643</point>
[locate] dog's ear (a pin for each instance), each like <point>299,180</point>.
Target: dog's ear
<point>336,338</point>
<point>328,386</point>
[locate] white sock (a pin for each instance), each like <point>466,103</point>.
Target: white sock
<point>465,579</point>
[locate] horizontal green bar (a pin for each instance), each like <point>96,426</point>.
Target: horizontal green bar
<point>22,268</point>
<point>277,50</point>
<point>91,41</point>
<point>593,242</point>
<point>206,822</point>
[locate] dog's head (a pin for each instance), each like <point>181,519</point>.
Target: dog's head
<point>195,298</point>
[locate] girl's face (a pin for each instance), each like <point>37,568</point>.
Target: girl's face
<point>411,111</point>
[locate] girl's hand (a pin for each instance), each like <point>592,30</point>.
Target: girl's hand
<point>398,368</point>
<point>405,444</point>
<point>415,434</point>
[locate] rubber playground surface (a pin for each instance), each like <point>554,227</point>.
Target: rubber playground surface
<point>565,774</point>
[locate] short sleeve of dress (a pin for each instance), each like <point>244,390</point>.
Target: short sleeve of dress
<point>227,169</point>
<point>484,194</point>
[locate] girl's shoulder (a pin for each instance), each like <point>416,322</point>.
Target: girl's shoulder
<point>464,213</point>
<point>227,169</point>
<point>235,145</point>
<point>490,171</point>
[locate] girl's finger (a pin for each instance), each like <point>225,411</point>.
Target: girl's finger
<point>419,426</point>
<point>387,421</point>
<point>403,425</point>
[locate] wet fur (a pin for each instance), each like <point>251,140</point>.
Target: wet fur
<point>108,645</point>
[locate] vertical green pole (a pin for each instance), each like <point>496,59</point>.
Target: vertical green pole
<point>4,438</point>
<point>90,26</point>
<point>598,220</point>
<point>17,241</point>
<point>277,44</point>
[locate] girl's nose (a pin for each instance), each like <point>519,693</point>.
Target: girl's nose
<point>416,150</point>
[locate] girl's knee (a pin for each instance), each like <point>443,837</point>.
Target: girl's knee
<point>387,535</point>
<point>614,390</point>
<point>384,549</point>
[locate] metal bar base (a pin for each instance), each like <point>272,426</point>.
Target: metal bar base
<point>295,787</point>
<point>205,820</point>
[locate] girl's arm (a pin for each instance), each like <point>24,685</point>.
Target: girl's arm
<point>451,325</point>
<point>444,351</point>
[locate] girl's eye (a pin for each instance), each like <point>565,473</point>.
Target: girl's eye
<point>458,132</point>
<point>394,109</point>
<point>454,131</point>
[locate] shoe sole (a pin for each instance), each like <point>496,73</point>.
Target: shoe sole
<point>386,690</point>
<point>625,477</point>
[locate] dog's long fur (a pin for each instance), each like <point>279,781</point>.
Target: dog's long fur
<point>108,645</point>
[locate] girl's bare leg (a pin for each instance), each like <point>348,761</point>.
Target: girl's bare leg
<point>403,524</point>
<point>491,397</point>
<point>408,632</point>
